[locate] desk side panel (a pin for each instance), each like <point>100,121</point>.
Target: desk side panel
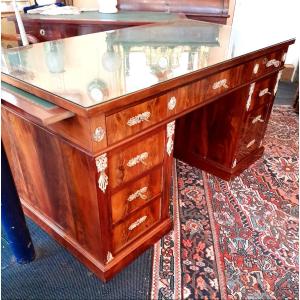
<point>55,181</point>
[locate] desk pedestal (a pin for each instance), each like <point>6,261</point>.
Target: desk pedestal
<point>224,138</point>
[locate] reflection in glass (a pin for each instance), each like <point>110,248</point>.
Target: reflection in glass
<point>54,55</point>
<point>97,90</point>
<point>94,68</point>
<point>111,59</point>
<point>169,50</point>
<point>15,60</point>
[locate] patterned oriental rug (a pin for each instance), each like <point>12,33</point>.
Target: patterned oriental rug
<point>237,239</point>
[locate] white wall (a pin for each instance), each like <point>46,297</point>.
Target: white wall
<point>260,21</point>
<point>86,4</point>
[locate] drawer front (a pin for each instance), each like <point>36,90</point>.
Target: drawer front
<point>134,119</point>
<point>46,32</point>
<point>255,125</point>
<point>261,92</point>
<point>222,82</point>
<point>136,194</point>
<point>50,32</point>
<point>264,64</point>
<point>126,164</point>
<point>179,100</point>
<point>183,98</point>
<point>135,225</point>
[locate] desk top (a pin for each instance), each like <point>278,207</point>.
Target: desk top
<point>96,17</point>
<point>96,68</point>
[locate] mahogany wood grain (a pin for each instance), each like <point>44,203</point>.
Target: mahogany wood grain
<point>226,173</point>
<point>136,194</point>
<point>261,64</point>
<point>132,120</point>
<point>104,271</point>
<point>135,225</point>
<point>230,79</point>
<point>224,133</point>
<point>137,247</point>
<point>11,152</point>
<point>211,132</point>
<point>49,28</point>
<point>252,132</point>
<point>263,92</point>
<point>56,170</point>
<point>81,132</point>
<point>49,182</point>
<point>213,18</point>
<point>76,130</point>
<point>183,97</point>
<point>133,160</point>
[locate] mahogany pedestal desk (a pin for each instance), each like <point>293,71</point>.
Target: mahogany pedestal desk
<point>90,124</point>
<point>48,28</point>
<point>131,13</point>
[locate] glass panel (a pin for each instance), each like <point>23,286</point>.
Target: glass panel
<point>28,97</point>
<point>91,69</point>
<point>127,16</point>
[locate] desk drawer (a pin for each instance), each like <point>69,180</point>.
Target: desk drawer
<point>264,64</point>
<point>49,32</point>
<point>183,98</point>
<point>253,132</point>
<point>261,92</point>
<point>222,82</point>
<point>134,160</point>
<point>136,194</point>
<point>180,99</point>
<point>134,119</point>
<point>136,225</point>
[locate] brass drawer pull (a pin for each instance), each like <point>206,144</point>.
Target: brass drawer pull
<point>257,119</point>
<point>139,193</point>
<point>255,69</point>
<point>251,91</point>
<point>220,83</point>
<point>272,62</point>
<point>234,163</point>
<point>172,103</point>
<point>137,223</point>
<point>98,134</point>
<point>138,159</point>
<point>251,143</point>
<point>139,118</point>
<point>264,92</point>
<point>170,133</point>
<point>109,257</point>
<point>42,32</point>
<point>101,164</point>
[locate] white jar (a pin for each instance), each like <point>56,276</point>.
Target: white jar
<point>108,6</point>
